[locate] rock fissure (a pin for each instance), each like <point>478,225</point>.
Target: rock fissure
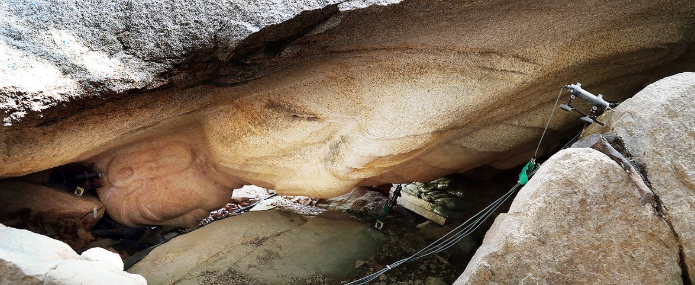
<point>426,91</point>
<point>510,252</point>
<point>656,202</point>
<point>604,144</point>
<point>635,171</point>
<point>258,242</point>
<point>685,272</point>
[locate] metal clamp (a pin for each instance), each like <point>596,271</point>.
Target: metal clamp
<point>598,104</point>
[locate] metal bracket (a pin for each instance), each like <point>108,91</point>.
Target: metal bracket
<point>598,104</point>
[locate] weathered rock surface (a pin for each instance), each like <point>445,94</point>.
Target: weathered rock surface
<point>657,126</point>
<point>312,106</point>
<point>29,258</point>
<point>57,51</point>
<point>578,221</point>
<point>269,247</point>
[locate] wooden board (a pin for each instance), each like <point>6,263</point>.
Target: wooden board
<point>421,207</point>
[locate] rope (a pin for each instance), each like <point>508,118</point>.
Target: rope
<point>455,235</point>
<point>548,123</point>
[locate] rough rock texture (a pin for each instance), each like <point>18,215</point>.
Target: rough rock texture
<point>29,258</point>
<point>25,202</point>
<point>56,51</point>
<point>578,221</point>
<point>312,106</point>
<point>657,126</point>
<point>269,247</point>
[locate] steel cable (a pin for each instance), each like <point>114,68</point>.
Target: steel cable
<point>455,235</point>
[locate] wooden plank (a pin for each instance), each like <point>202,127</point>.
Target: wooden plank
<point>420,207</point>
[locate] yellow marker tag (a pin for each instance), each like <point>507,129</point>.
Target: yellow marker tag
<point>79,191</point>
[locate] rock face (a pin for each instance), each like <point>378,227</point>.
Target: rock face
<point>29,258</point>
<point>658,129</point>
<point>270,247</point>
<point>578,221</point>
<point>65,50</point>
<point>196,103</point>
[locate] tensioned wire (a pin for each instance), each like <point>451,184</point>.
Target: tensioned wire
<point>446,241</point>
<point>548,122</point>
<point>455,235</point>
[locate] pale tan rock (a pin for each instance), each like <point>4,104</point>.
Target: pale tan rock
<point>407,92</point>
<point>168,181</point>
<point>578,221</point>
<point>657,126</point>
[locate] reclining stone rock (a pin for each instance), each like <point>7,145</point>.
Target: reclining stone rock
<point>326,101</point>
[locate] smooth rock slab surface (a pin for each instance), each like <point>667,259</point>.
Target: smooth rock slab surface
<point>267,246</point>
<point>578,221</point>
